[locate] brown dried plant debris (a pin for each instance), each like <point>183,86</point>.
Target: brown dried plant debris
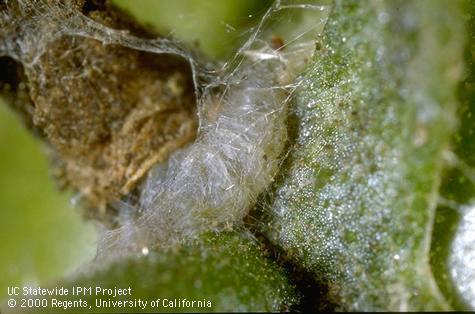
<point>108,113</point>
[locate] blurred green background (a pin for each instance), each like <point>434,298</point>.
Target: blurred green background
<point>42,237</point>
<point>216,27</point>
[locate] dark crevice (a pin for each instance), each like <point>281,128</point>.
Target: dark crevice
<point>14,89</point>
<point>314,295</point>
<point>93,5</point>
<point>9,73</point>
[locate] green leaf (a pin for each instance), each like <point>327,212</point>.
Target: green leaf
<point>376,111</point>
<point>228,269</point>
